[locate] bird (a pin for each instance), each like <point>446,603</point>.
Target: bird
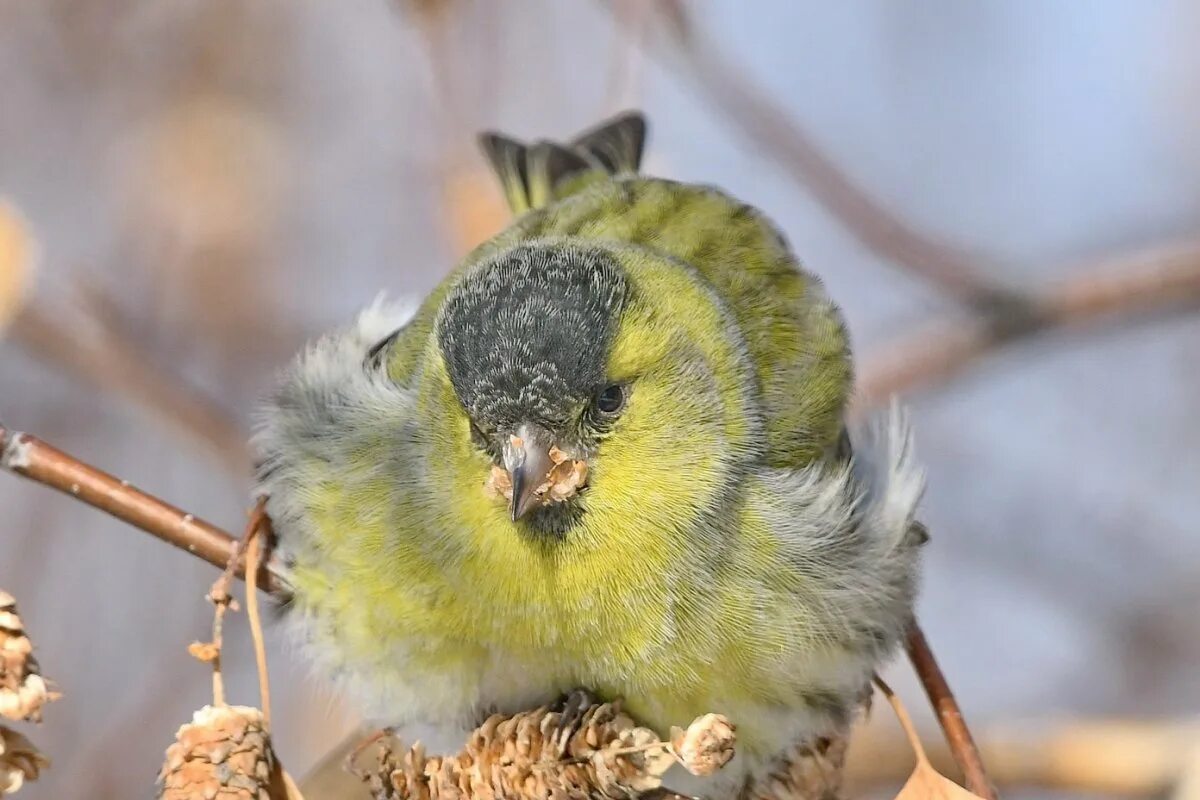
<point>611,453</point>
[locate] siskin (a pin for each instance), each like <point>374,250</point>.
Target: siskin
<point>609,452</point>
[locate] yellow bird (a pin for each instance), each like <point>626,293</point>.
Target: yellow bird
<point>609,452</point>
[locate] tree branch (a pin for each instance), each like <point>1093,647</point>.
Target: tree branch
<point>112,362</point>
<point>949,715</point>
<point>749,108</point>
<point>1154,283</point>
<point>32,458</point>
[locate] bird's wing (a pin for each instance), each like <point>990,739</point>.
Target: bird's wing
<point>848,535</point>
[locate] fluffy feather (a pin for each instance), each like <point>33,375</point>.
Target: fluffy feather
<point>727,555</point>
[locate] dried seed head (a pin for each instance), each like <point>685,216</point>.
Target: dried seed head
<point>20,761</point>
<point>23,691</point>
<point>204,651</point>
<point>808,770</point>
<point>562,482</point>
<point>224,752</point>
<point>499,483</point>
<point>706,745</point>
<point>606,755</point>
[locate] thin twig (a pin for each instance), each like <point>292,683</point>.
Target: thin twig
<point>113,362</point>
<point>1152,283</point>
<point>906,723</point>
<point>949,715</point>
<point>221,603</point>
<point>256,531</point>
<point>625,60</point>
<point>32,458</point>
<point>210,652</point>
<point>751,111</point>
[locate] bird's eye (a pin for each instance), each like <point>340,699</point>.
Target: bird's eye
<point>611,399</point>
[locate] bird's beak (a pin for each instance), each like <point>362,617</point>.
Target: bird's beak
<point>527,459</point>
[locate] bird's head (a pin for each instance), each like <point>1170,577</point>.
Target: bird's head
<point>590,379</point>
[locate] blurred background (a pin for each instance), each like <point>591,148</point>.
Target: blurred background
<point>1004,196</point>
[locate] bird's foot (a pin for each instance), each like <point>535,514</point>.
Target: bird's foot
<point>571,710</point>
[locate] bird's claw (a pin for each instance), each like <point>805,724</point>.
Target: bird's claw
<point>574,707</point>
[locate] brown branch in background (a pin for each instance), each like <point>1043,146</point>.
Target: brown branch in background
<point>1119,757</point>
<point>32,458</point>
<point>471,203</point>
<point>434,19</point>
<point>932,355</point>
<point>625,69</point>
<point>949,715</point>
<point>113,362</point>
<point>95,348</point>
<point>751,111</point>
<point>1155,283</point>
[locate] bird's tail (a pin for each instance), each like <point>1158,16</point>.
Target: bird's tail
<point>533,175</point>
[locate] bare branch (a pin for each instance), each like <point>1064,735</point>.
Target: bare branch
<point>1155,283</point>
<point>625,70</point>
<point>32,458</point>
<point>114,363</point>
<point>758,118</point>
<point>949,715</point>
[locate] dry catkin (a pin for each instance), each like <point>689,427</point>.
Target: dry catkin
<point>810,771</point>
<point>224,753</point>
<point>704,746</point>
<point>606,755</point>
<point>23,690</point>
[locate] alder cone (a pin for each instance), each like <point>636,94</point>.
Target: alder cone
<point>23,690</point>
<point>606,755</point>
<point>224,753</point>
<point>810,770</point>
